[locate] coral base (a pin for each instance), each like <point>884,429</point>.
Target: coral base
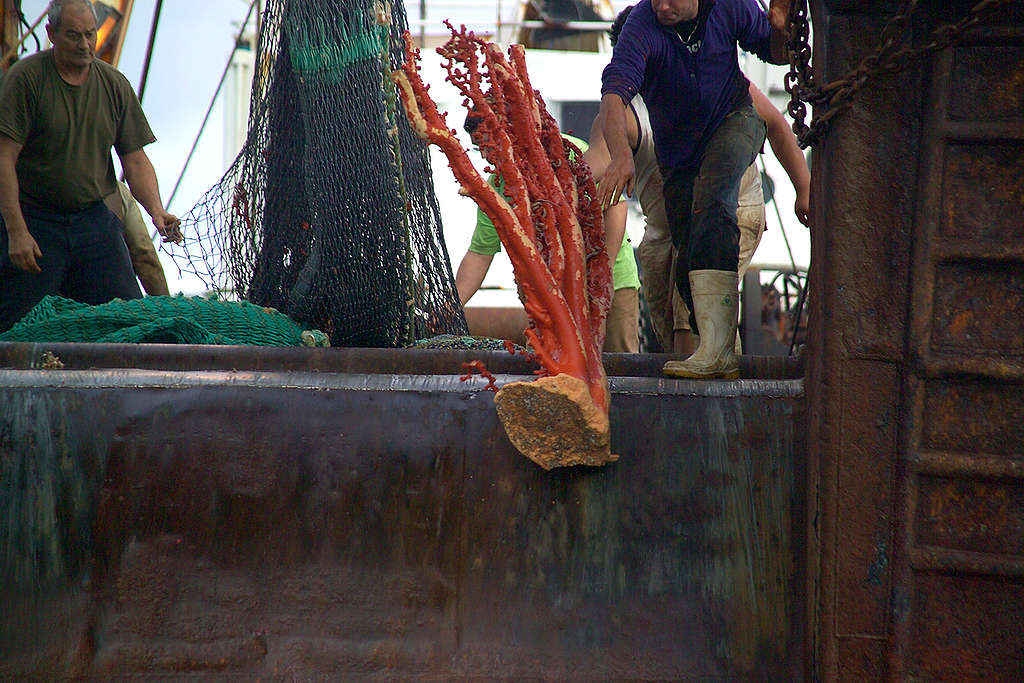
<point>554,422</point>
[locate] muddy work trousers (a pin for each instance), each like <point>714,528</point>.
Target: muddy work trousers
<point>701,203</point>
<point>84,258</point>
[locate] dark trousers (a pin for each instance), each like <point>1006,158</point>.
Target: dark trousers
<point>84,258</point>
<point>701,203</point>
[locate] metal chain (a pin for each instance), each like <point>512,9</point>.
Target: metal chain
<point>888,58</point>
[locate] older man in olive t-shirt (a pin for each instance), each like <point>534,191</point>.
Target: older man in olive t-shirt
<point>61,112</point>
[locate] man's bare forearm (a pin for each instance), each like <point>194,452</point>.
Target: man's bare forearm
<point>22,249</point>
<point>141,178</point>
<point>613,127</point>
<point>596,155</point>
<point>792,159</point>
<point>787,151</point>
<point>782,141</point>
<point>10,208</point>
<point>618,177</point>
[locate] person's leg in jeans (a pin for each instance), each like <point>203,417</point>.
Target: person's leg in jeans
<point>21,290</point>
<point>678,192</point>
<point>710,262</point>
<point>714,234</point>
<point>100,267</point>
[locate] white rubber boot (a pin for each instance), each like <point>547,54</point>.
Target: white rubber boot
<point>715,305</point>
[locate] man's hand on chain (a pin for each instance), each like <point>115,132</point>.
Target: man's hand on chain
<point>778,15</point>
<point>802,208</point>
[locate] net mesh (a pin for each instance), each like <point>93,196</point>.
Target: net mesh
<point>161,319</point>
<point>328,214</point>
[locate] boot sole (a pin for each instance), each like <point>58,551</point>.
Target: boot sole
<point>685,374</point>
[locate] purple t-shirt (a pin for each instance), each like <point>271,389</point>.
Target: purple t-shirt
<point>687,93</point>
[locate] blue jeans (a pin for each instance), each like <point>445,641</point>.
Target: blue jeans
<point>701,203</point>
<point>84,258</point>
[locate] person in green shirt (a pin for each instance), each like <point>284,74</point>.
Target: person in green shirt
<point>61,112</point>
<point>622,324</point>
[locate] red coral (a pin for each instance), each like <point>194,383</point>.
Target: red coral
<point>546,217</point>
<point>479,367</point>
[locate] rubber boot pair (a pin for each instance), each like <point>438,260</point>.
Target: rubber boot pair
<point>715,306</point>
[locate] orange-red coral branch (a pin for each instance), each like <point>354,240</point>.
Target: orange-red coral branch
<point>544,214</point>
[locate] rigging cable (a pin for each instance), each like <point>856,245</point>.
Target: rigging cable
<point>149,48</point>
<point>13,52</point>
<point>213,100</point>
<point>145,70</point>
<point>31,29</point>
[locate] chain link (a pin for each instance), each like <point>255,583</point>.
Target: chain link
<point>888,58</point>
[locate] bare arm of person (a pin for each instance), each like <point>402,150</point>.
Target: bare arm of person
<point>21,246</point>
<point>618,176</point>
<point>597,156</point>
<point>615,228</point>
<point>786,149</point>
<point>471,274</point>
<point>141,178</point>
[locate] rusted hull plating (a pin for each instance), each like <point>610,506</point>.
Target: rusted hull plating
<point>916,371</point>
<point>272,523</point>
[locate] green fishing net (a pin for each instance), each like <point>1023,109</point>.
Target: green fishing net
<point>161,320</point>
<point>329,214</point>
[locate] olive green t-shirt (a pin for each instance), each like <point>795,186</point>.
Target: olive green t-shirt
<point>485,238</point>
<point>67,131</point>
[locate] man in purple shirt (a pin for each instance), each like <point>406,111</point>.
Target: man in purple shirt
<point>680,55</point>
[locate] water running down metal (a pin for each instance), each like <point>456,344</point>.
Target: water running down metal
<point>316,521</point>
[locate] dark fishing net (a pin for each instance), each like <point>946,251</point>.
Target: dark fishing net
<point>328,214</point>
